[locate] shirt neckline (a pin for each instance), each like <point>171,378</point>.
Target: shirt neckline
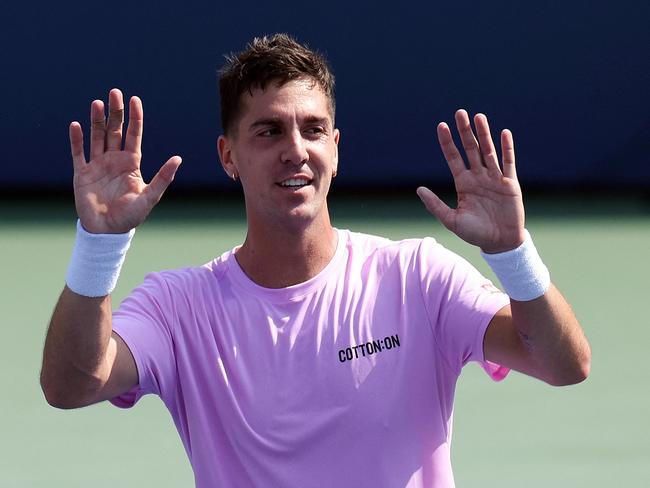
<point>289,293</point>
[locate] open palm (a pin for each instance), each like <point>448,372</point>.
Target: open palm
<point>490,211</point>
<point>110,194</point>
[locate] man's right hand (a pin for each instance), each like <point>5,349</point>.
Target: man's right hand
<point>110,195</point>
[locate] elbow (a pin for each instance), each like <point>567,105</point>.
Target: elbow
<point>585,367</point>
<point>569,378</point>
<point>59,402</point>
<point>54,396</point>
<point>58,396</point>
<point>577,372</point>
<point>56,399</point>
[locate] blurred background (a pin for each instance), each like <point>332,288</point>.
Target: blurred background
<point>570,79</point>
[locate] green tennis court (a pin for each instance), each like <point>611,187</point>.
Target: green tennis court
<point>511,434</point>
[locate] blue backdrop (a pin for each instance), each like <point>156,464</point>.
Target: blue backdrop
<point>570,79</point>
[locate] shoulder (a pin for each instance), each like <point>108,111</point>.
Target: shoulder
<point>170,283</point>
<point>190,275</point>
<point>409,257</point>
<point>369,244</point>
<point>361,244</point>
<point>424,258</point>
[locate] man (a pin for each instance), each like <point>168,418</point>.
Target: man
<point>307,356</point>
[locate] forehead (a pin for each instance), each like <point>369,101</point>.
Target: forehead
<point>296,99</point>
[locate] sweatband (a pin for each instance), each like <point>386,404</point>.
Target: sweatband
<point>521,271</point>
<point>96,262</point>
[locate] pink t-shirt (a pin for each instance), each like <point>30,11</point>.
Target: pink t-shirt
<point>345,380</point>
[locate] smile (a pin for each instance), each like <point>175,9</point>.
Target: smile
<point>295,183</point>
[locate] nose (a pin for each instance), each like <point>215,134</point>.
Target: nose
<point>294,150</point>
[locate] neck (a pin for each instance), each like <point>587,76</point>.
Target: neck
<point>276,257</point>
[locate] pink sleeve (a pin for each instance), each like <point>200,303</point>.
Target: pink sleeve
<point>460,304</point>
<point>144,321</point>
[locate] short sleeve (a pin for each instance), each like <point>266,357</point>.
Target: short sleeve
<point>460,304</point>
<point>144,321</point>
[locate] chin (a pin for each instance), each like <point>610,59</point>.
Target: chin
<point>302,216</point>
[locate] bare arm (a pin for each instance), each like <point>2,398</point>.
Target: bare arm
<point>84,362</point>
<point>540,337</point>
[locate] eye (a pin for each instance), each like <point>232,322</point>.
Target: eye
<point>269,132</point>
<point>316,130</point>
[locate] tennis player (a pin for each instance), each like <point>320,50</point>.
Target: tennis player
<point>308,356</point>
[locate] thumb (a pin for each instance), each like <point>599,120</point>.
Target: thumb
<point>162,179</point>
<point>436,206</point>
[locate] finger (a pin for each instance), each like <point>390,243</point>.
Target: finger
<point>162,179</point>
<point>437,207</point>
<point>488,151</point>
<point>508,151</point>
<point>115,120</point>
<point>133,140</point>
<point>97,129</point>
<point>77,146</point>
<point>469,141</point>
<point>449,150</point>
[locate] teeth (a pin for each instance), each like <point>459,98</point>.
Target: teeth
<point>295,182</point>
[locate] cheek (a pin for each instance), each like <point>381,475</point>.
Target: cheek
<point>327,154</point>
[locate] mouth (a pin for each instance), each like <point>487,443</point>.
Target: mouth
<point>294,183</point>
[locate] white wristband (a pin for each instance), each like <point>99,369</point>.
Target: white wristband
<point>96,262</point>
<point>521,271</point>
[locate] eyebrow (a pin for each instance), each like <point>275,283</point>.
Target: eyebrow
<point>274,121</point>
<point>264,122</point>
<point>312,119</point>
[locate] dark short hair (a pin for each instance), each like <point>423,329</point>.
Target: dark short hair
<point>278,58</point>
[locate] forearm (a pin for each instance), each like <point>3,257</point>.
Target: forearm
<point>538,334</point>
<point>552,337</point>
<point>75,355</point>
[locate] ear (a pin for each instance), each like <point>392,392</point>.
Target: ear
<point>224,148</point>
<point>335,162</point>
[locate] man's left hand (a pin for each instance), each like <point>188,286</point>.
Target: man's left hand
<point>490,210</point>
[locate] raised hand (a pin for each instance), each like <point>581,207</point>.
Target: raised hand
<point>110,194</point>
<point>490,210</point>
